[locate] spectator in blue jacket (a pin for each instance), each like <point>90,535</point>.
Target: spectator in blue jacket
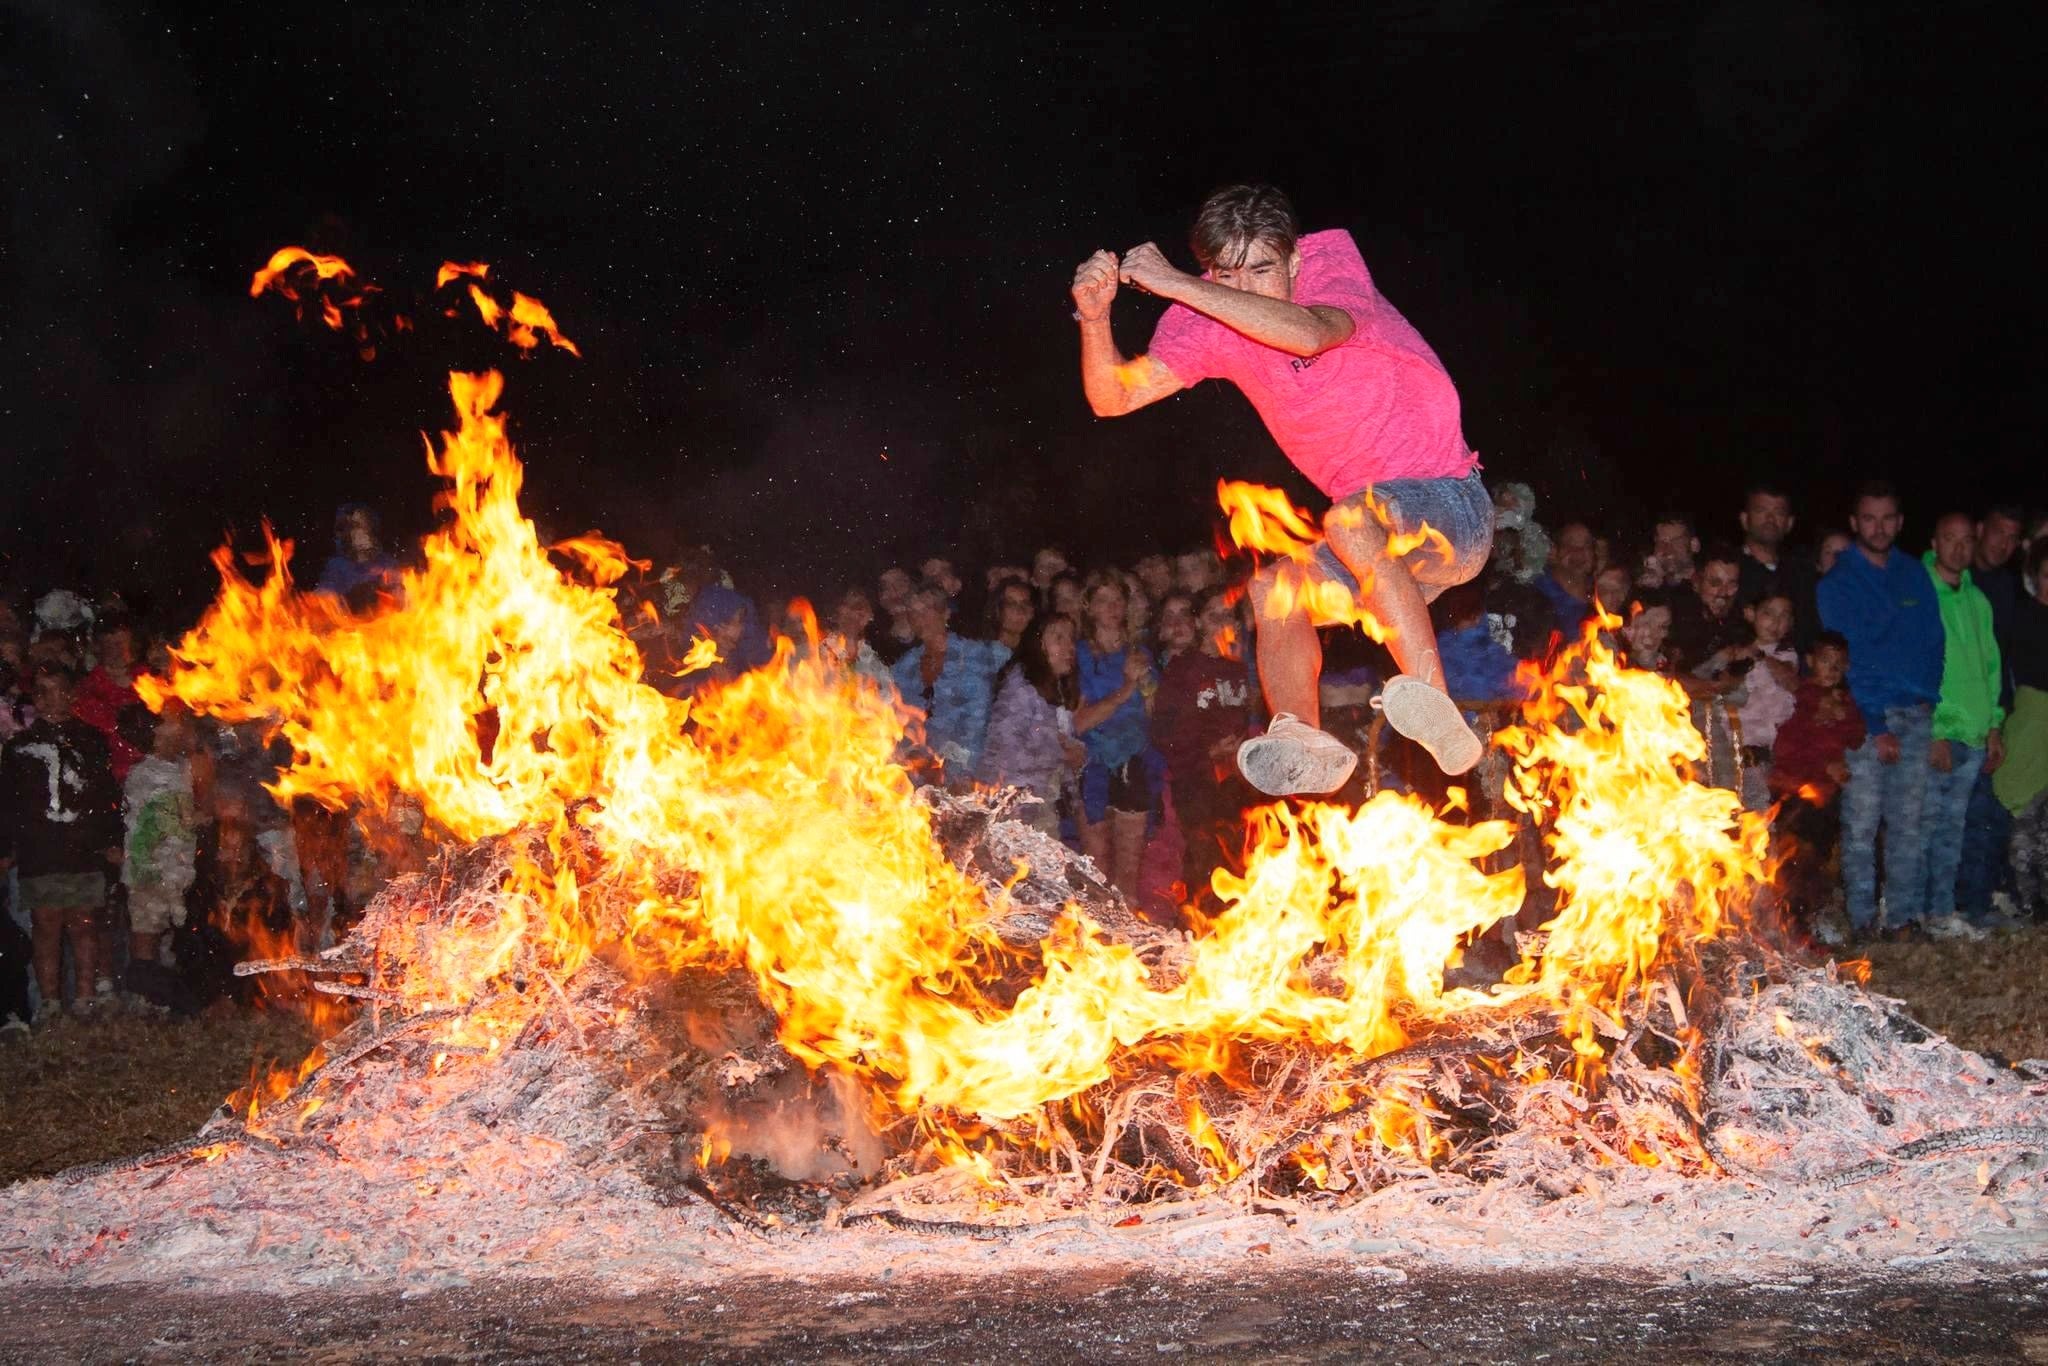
<point>951,680</point>
<point>1882,600</point>
<point>360,571</point>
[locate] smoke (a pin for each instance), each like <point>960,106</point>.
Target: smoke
<point>808,1127</point>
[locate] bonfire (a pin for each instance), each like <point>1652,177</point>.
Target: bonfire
<point>685,971</point>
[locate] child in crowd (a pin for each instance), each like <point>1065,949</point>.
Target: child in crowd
<point>1640,644</point>
<point>60,825</point>
<point>163,841</point>
<point>1808,768</point>
<point>107,694</point>
<point>1769,669</point>
<point>240,905</point>
<point>1200,715</point>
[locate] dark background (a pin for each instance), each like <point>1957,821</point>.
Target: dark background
<point>1662,249</point>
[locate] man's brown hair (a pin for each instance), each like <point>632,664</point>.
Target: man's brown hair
<point>1237,216</point>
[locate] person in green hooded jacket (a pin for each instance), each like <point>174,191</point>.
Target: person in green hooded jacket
<point>1967,718</point>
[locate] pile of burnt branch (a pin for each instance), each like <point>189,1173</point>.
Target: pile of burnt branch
<point>1739,1061</point>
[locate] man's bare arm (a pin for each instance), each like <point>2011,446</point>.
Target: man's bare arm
<point>1114,383</point>
<point>1297,329</point>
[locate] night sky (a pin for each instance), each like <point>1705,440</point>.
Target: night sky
<point>1662,250</point>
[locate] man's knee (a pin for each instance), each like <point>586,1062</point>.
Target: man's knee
<point>1355,531</point>
<point>1280,592</point>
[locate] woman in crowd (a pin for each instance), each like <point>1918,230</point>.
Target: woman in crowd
<point>950,679</point>
<point>1010,606</point>
<point>1063,595</point>
<point>1173,628</point>
<point>844,643</point>
<point>1030,724</point>
<point>1113,722</point>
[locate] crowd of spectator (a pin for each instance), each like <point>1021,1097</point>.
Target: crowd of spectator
<point>1889,709</point>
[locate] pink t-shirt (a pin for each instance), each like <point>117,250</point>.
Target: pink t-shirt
<point>1380,406</point>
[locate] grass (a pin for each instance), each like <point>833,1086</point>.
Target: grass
<point>84,1091</point>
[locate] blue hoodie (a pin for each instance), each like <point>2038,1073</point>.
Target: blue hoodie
<point>343,573</point>
<point>715,605</point>
<point>1892,620</point>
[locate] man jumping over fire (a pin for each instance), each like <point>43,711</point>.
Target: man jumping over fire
<point>1362,406</point>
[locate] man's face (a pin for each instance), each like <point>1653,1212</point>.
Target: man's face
<point>1828,664</point>
<point>1673,546</point>
<point>116,651</point>
<point>853,616</point>
<point>1767,520</point>
<point>360,536</point>
<point>726,634</point>
<point>1193,571</point>
<point>1875,524</point>
<point>927,614</point>
<point>53,698</point>
<point>1573,551</point>
<point>1955,544</point>
<point>1155,575</point>
<point>1260,268</point>
<point>1997,537</point>
<point>1719,583</point>
<point>1047,565</point>
<point>893,590</point>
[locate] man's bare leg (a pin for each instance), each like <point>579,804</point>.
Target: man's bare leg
<point>1293,756</point>
<point>1290,652</point>
<point>1415,702</point>
<point>1390,594</point>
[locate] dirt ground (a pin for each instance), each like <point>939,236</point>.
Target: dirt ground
<point>1333,1313</point>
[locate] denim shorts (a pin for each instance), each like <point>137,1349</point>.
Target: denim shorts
<point>1460,510</point>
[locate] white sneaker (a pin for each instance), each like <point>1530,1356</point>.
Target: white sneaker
<point>1294,757</point>
<point>1427,716</point>
<point>1953,927</point>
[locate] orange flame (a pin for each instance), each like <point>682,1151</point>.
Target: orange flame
<point>702,654</point>
<point>524,323</point>
<point>308,278</point>
<point>812,864</point>
<point>1265,521</point>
